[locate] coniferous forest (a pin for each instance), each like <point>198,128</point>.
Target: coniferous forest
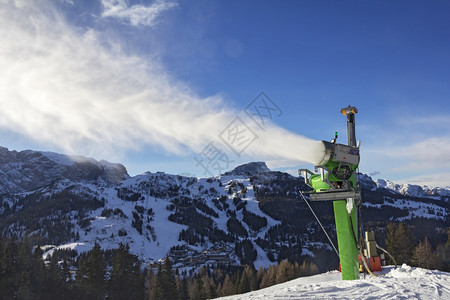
<point>97,274</point>
<point>118,274</point>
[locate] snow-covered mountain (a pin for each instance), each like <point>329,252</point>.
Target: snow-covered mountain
<point>404,189</point>
<point>28,170</point>
<point>393,283</point>
<point>250,169</point>
<point>412,189</point>
<point>250,215</point>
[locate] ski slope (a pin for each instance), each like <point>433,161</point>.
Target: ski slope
<point>404,282</point>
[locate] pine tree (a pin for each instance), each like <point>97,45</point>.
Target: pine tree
<point>260,275</point>
<point>5,271</point>
<point>244,284</point>
<point>405,240</point>
<point>167,281</point>
<point>32,272</point>
<point>391,240</point>
<point>236,279</point>
<point>126,277</point>
<point>443,253</point>
<point>423,256</point>
<point>282,274</point>
<point>269,278</point>
<point>198,289</point>
<point>25,269</point>
<point>23,274</point>
<point>210,287</point>
<point>154,286</point>
<point>163,286</point>
<point>182,288</point>
<point>91,274</point>
<point>65,271</point>
<point>227,287</point>
<point>55,283</point>
<point>248,280</point>
<point>399,242</point>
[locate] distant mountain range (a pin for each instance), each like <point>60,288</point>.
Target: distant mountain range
<point>404,189</point>
<point>249,215</point>
<point>28,170</point>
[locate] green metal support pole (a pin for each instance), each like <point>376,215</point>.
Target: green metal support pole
<point>348,250</point>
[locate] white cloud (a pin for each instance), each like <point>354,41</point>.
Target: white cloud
<point>136,15</point>
<point>435,121</point>
<point>431,180</point>
<point>410,162</point>
<point>425,154</point>
<point>70,2</point>
<point>68,90</point>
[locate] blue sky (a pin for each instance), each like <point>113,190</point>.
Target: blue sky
<point>155,85</point>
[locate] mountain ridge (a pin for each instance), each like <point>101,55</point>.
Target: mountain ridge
<point>249,169</point>
<point>250,215</point>
<point>28,170</point>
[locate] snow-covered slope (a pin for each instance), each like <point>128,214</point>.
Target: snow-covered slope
<point>155,205</point>
<point>401,283</point>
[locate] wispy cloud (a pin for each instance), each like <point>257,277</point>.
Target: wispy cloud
<point>436,124</point>
<point>432,180</point>
<point>136,15</point>
<point>423,155</point>
<point>432,150</point>
<point>66,89</point>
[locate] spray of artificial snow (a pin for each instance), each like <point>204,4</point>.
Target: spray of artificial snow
<point>66,89</point>
<point>278,143</point>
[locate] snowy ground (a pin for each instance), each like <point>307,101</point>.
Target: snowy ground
<point>402,283</point>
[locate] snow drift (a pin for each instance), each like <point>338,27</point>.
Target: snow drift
<point>404,282</point>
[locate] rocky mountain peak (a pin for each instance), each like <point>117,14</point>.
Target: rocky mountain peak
<point>250,169</point>
<point>28,170</point>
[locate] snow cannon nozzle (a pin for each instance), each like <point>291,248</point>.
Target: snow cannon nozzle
<point>349,110</point>
<point>339,154</point>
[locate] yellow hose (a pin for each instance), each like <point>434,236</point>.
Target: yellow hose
<point>365,264</point>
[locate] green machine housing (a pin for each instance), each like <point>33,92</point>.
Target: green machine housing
<point>336,179</point>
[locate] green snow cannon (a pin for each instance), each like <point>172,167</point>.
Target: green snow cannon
<point>338,165</point>
<point>337,168</point>
<point>337,182</point>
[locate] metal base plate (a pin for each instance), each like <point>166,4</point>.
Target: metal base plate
<point>332,196</point>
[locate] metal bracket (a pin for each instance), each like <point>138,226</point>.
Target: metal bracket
<point>334,195</point>
<point>304,173</point>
